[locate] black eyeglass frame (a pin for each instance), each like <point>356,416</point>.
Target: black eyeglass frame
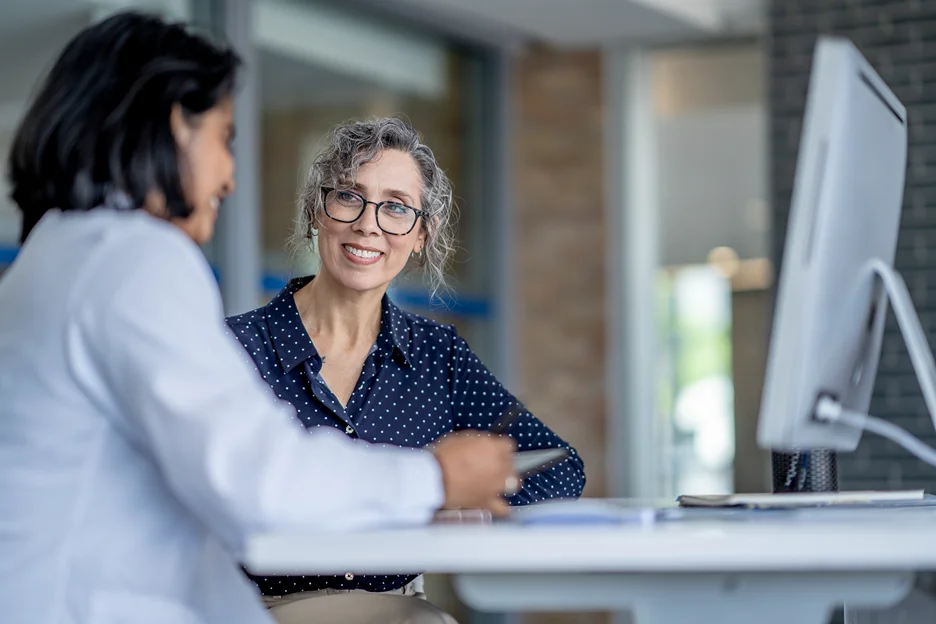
<point>419,213</point>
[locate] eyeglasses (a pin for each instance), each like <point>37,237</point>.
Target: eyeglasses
<point>392,217</point>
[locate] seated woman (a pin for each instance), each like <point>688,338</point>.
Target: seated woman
<point>338,349</point>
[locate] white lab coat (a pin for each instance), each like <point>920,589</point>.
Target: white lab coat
<point>137,446</point>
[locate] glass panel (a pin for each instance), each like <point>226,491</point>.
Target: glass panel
<point>9,214</point>
<point>303,100</point>
<point>710,135</point>
<point>303,92</point>
<point>30,43</point>
<point>28,46</point>
<point>696,379</point>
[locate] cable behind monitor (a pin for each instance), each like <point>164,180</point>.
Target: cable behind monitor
<point>830,410</point>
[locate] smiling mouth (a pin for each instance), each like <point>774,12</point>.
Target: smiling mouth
<point>362,253</point>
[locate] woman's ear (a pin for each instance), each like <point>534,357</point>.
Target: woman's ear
<point>421,240</point>
<point>181,130</point>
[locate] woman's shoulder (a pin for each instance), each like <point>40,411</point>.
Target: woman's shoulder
<point>278,311</point>
<point>127,247</point>
<point>250,328</point>
<point>423,329</point>
<point>246,319</point>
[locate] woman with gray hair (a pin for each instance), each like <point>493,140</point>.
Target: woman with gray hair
<point>338,349</point>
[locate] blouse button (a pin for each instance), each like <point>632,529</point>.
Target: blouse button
<point>349,429</point>
<point>349,576</point>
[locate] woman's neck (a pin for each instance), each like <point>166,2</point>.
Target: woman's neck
<point>336,316</point>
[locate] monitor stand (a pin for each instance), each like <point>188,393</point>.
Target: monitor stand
<point>908,321</point>
<point>812,471</point>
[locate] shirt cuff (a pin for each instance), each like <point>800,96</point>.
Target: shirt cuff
<point>423,492</point>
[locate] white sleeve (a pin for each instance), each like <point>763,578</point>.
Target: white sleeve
<point>226,447</point>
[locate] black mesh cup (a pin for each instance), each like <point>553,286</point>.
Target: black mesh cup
<point>805,471</point>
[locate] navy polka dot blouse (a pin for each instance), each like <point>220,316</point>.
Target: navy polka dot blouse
<point>420,381</point>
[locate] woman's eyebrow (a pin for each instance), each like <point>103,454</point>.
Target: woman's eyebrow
<point>396,193</point>
<point>362,189</point>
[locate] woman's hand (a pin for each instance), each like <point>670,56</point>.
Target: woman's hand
<point>477,470</point>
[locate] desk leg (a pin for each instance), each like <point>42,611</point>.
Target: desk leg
<point>919,607</point>
<point>771,598</point>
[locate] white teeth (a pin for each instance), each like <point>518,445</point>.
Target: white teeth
<point>215,203</point>
<point>360,253</point>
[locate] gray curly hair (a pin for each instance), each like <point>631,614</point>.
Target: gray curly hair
<point>352,144</point>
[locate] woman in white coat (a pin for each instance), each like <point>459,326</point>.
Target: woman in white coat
<point>137,448</point>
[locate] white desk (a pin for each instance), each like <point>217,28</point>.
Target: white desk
<point>772,569</point>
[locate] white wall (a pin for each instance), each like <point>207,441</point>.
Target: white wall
<point>710,125</point>
<point>712,164</point>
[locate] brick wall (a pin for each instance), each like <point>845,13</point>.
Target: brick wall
<point>560,251</point>
<point>560,255</point>
<point>898,37</point>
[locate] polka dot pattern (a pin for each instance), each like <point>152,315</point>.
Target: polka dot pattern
<point>420,381</point>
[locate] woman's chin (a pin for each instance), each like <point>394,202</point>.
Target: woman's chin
<point>205,237</point>
<point>200,236</point>
<point>360,282</point>
<point>366,286</point>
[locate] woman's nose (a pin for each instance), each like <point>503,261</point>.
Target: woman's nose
<point>367,224</point>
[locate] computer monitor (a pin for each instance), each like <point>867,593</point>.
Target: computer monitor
<point>836,275</point>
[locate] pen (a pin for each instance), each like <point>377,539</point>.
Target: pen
<point>511,414</point>
<point>500,427</point>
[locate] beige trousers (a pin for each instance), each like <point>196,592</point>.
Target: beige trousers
<point>342,606</point>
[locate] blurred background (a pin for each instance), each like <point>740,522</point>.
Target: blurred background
<point>623,170</point>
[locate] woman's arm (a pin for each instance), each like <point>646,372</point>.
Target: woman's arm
<point>186,397</point>
<point>479,399</point>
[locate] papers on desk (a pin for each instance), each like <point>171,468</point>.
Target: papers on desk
<point>793,500</point>
<point>583,511</point>
<point>746,508</point>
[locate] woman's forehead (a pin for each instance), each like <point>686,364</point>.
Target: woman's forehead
<point>391,174</point>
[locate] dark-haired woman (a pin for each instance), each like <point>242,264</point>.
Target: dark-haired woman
<point>137,448</point>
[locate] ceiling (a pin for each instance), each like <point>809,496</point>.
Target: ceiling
<point>582,22</point>
<point>32,32</point>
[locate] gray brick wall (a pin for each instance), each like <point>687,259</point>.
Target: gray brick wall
<point>898,37</point>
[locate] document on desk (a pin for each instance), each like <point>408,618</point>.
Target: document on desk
<point>793,500</point>
<point>583,511</point>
